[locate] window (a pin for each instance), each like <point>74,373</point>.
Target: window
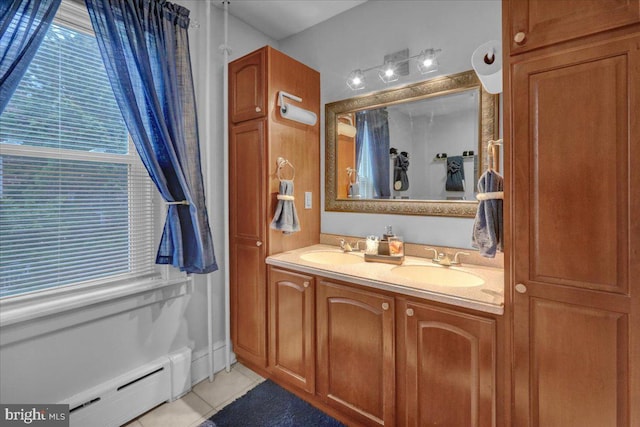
<point>75,200</point>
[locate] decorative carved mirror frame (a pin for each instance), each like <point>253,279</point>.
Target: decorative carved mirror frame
<point>488,122</point>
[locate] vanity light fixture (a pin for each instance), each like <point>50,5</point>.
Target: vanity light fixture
<point>427,62</point>
<point>394,66</point>
<point>388,73</point>
<point>356,80</point>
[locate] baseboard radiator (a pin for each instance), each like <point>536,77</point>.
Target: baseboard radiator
<point>124,398</point>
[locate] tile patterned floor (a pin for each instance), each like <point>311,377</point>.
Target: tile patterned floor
<point>204,400</point>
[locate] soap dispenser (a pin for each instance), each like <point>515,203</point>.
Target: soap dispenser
<point>383,246</point>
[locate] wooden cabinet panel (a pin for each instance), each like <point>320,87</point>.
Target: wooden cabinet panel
<point>247,223</point>
<point>247,87</point>
<point>576,362</point>
<point>249,296</point>
<point>355,344</point>
<point>572,113</point>
<point>291,328</point>
<point>545,22</point>
<point>446,367</point>
<point>576,181</point>
<point>246,181</point>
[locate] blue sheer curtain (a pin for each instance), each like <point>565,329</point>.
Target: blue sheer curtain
<point>23,25</point>
<point>145,48</point>
<point>372,149</point>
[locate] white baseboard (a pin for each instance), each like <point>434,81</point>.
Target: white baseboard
<point>200,362</point>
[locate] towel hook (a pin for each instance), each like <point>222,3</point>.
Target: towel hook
<point>282,163</point>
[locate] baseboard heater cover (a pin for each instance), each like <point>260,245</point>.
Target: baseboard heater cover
<point>124,398</point>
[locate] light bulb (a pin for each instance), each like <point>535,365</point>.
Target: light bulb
<point>355,81</point>
<point>427,62</point>
<point>388,72</point>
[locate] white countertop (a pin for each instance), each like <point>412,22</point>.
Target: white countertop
<point>488,297</point>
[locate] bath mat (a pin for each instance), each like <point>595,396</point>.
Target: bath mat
<point>269,405</point>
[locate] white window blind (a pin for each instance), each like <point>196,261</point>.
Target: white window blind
<point>76,203</point>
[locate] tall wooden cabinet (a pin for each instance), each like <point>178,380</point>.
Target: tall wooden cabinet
<point>258,135</point>
<point>573,91</point>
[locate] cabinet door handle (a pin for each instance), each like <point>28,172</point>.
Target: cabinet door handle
<point>306,284</point>
<point>258,109</point>
<point>521,289</point>
<point>258,243</point>
<point>519,37</point>
<point>410,312</point>
<point>385,306</point>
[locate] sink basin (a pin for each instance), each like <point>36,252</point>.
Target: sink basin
<point>328,257</point>
<point>438,276</point>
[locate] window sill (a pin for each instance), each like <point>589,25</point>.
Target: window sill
<point>78,304</point>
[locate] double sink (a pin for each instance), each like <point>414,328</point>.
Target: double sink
<point>426,274</point>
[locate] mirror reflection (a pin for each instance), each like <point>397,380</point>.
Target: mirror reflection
<point>424,150</point>
<point>418,149</point>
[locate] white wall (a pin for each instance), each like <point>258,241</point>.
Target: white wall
<point>52,358</point>
<point>451,134</point>
<point>359,38</point>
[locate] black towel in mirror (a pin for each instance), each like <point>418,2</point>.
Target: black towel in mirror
<point>455,174</point>
<point>400,177</point>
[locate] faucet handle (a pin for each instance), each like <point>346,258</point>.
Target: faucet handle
<point>436,256</point>
<point>344,245</point>
<point>445,259</point>
<point>456,259</point>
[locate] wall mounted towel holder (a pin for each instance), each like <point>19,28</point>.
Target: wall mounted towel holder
<point>281,162</point>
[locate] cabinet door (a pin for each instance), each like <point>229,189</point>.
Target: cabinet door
<point>546,22</point>
<point>291,328</point>
<point>247,223</point>
<point>576,208</point>
<point>446,367</point>
<point>247,87</point>
<point>356,366</point>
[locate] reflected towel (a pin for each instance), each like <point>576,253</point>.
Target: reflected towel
<point>455,174</point>
<point>487,227</point>
<point>286,218</point>
<point>400,177</point>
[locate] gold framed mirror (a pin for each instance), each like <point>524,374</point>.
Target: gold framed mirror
<point>436,96</point>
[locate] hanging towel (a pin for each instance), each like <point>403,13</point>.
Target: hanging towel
<point>455,174</point>
<point>487,228</point>
<point>400,178</point>
<point>286,218</point>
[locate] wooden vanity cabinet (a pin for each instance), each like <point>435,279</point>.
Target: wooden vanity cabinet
<point>446,367</point>
<point>292,328</point>
<point>574,136</point>
<point>539,23</point>
<point>355,352</point>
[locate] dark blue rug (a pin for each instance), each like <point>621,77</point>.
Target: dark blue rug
<point>269,405</point>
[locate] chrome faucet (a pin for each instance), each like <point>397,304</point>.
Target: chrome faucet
<point>349,247</point>
<point>444,258</point>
